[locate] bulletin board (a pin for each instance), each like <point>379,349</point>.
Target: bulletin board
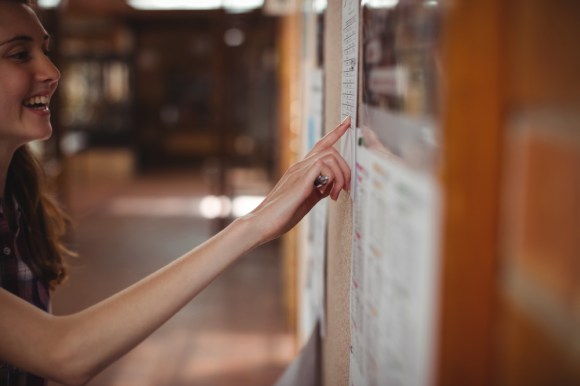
<point>383,239</point>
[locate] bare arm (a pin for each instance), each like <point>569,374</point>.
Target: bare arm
<point>72,349</point>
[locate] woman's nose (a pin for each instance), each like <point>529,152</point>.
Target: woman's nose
<point>48,72</point>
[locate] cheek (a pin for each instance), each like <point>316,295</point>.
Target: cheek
<point>13,88</point>
<point>5,105</point>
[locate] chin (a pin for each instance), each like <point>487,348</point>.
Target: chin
<point>47,136</point>
<point>43,133</point>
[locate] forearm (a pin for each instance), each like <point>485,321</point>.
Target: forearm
<point>74,348</point>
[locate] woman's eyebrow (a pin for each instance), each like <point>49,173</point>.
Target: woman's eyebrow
<point>23,38</point>
<point>18,38</point>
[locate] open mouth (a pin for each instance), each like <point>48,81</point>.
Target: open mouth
<point>37,103</point>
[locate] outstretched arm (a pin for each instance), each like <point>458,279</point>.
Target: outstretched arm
<point>73,348</point>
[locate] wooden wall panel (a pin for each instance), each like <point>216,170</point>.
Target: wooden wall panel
<point>471,143</point>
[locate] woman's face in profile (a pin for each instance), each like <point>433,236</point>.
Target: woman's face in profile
<point>28,78</point>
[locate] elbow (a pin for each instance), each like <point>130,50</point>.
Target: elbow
<point>67,365</point>
<point>67,372</point>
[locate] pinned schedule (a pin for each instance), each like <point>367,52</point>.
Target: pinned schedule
<point>349,84</point>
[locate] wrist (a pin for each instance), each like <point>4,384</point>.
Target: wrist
<point>248,231</point>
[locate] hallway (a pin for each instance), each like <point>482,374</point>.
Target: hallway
<point>234,333</point>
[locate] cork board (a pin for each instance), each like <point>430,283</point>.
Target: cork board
<point>336,342</point>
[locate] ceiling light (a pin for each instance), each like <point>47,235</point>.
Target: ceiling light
<point>48,3</point>
<point>175,4</point>
<point>242,5</point>
<point>228,5</point>
<point>380,3</point>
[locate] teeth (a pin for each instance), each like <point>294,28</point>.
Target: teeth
<point>38,100</point>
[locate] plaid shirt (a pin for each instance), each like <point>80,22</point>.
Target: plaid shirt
<point>17,278</point>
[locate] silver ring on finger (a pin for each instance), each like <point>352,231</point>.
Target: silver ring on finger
<point>320,181</point>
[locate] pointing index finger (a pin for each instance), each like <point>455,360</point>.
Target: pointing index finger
<point>333,136</point>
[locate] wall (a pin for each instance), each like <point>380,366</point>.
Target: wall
<point>509,177</point>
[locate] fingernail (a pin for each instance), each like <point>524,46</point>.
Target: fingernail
<point>345,119</point>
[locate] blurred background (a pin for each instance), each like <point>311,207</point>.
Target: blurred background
<point>166,127</point>
<point>169,123</point>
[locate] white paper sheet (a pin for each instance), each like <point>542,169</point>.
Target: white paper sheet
<point>349,85</point>
<point>394,273</point>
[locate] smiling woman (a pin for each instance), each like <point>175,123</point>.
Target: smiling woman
<point>71,349</point>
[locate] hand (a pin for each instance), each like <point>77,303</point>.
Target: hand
<point>295,195</point>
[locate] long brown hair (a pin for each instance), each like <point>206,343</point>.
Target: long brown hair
<point>45,222</point>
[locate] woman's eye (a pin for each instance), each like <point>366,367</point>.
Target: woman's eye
<point>20,56</point>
